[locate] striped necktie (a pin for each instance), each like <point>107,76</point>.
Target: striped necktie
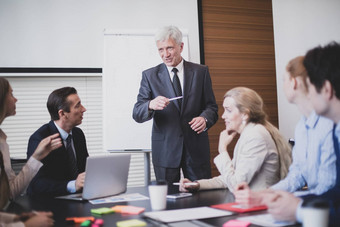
<point>337,153</point>
<point>177,86</point>
<point>71,158</point>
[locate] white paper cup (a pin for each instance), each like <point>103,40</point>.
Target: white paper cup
<point>315,213</point>
<point>157,192</point>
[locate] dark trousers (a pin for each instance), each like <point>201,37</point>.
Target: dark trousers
<point>190,170</point>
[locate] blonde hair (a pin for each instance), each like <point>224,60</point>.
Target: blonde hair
<point>4,89</point>
<point>249,102</point>
<point>4,184</point>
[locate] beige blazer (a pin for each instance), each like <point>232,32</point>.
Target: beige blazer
<point>255,161</point>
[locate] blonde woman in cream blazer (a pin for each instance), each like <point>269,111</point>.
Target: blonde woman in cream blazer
<point>261,155</point>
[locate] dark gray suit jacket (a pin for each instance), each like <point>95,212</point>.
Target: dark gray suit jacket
<point>171,129</point>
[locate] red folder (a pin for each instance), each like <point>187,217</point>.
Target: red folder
<point>237,208</point>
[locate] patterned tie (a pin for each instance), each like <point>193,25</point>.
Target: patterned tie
<point>72,160</point>
<point>4,185</point>
<point>337,153</point>
<point>177,86</point>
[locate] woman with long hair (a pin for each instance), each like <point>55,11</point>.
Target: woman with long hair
<point>12,185</point>
<point>261,155</point>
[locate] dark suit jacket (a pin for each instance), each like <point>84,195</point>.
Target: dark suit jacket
<point>170,126</point>
<point>54,175</point>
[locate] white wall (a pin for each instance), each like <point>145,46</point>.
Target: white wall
<point>300,25</point>
<point>69,33</point>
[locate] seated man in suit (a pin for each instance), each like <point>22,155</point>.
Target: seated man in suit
<point>63,170</point>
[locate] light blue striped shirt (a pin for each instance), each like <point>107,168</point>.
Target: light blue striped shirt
<point>314,160</point>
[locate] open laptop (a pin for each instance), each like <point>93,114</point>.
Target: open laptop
<point>106,175</point>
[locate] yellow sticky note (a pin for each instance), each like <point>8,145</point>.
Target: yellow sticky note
<point>131,223</point>
<point>103,210</point>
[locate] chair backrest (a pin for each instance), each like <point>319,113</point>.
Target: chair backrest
<point>291,141</point>
<point>17,164</point>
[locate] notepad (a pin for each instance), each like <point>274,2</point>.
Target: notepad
<point>235,207</point>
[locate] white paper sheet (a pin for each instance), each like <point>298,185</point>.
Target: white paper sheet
<point>186,214</point>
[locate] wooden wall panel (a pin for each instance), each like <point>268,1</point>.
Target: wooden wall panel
<point>239,50</point>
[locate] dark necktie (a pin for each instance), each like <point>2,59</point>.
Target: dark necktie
<point>177,86</point>
<point>337,153</point>
<point>4,185</point>
<point>71,156</point>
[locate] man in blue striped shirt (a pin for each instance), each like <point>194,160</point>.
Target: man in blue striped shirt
<point>313,153</point>
<point>323,67</point>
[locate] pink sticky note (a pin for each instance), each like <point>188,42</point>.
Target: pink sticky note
<point>132,210</point>
<point>118,208</point>
<point>236,223</point>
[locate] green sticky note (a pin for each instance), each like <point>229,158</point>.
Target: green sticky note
<point>103,210</point>
<point>131,223</point>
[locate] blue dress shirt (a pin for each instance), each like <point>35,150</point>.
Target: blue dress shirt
<point>332,195</point>
<point>314,160</point>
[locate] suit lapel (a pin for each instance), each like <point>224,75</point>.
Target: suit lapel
<point>53,130</point>
<point>187,80</point>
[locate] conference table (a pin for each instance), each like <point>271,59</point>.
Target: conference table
<point>66,208</point>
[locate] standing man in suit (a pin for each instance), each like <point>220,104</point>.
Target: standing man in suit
<point>179,134</point>
<point>63,170</point>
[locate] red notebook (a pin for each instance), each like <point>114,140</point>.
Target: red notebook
<point>237,207</point>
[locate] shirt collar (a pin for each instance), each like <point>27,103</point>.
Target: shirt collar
<point>179,67</point>
<point>311,120</point>
<point>62,132</point>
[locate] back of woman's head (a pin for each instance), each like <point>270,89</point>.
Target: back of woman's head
<point>4,89</point>
<point>248,102</point>
<point>296,69</point>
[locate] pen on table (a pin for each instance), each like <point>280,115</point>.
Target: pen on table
<point>35,212</point>
<point>178,97</point>
<point>188,183</point>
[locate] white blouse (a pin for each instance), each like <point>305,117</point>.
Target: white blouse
<point>18,183</point>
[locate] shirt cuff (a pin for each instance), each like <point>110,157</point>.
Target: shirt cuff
<point>34,163</point>
<point>71,186</point>
<point>298,214</point>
